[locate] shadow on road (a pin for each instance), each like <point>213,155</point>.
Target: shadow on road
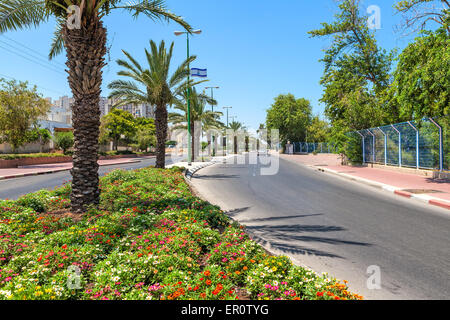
<point>215,176</point>
<point>278,218</point>
<point>289,239</point>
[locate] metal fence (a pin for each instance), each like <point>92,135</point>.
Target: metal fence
<point>307,147</point>
<point>422,145</point>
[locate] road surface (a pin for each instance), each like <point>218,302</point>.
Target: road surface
<point>338,226</point>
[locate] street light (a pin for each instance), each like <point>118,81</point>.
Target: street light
<point>212,109</point>
<point>179,33</point>
<point>227,113</point>
<point>224,139</point>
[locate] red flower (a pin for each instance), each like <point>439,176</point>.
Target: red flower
<point>319,294</point>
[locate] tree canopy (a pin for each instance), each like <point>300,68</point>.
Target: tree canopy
<point>20,109</point>
<point>291,116</point>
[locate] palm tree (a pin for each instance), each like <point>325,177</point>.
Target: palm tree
<point>85,45</point>
<point>236,126</point>
<point>154,86</point>
<point>199,114</point>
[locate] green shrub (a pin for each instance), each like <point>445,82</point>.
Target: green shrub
<point>64,140</point>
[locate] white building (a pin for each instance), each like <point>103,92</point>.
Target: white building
<point>61,109</point>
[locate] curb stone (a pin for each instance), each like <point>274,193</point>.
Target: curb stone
<point>21,175</point>
<point>190,171</point>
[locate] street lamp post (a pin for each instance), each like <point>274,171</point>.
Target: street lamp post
<point>227,128</point>
<point>212,109</point>
<point>188,94</point>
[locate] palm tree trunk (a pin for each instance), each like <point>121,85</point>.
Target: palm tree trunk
<point>161,135</point>
<point>85,48</point>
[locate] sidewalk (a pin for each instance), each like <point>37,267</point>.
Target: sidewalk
<point>56,167</point>
<point>436,192</point>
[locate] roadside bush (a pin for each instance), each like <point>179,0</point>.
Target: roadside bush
<point>63,141</point>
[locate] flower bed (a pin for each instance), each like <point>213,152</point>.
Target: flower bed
<point>150,239</point>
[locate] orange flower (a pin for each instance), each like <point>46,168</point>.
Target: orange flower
<point>208,282</point>
<point>207,273</point>
<point>238,272</point>
<point>203,295</point>
<point>244,268</point>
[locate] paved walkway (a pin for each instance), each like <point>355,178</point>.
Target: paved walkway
<point>399,180</point>
<point>55,167</point>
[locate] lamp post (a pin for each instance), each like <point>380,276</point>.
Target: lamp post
<point>212,109</point>
<point>227,128</point>
<point>188,94</point>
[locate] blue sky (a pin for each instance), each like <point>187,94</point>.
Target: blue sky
<point>253,49</point>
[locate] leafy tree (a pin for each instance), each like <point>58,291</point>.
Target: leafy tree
<point>145,135</point>
<point>64,140</point>
<point>154,85</point>
<point>117,124</point>
<point>84,40</point>
<point>422,78</point>
<point>356,74</point>
<point>43,136</point>
<point>417,13</point>
<point>290,116</point>
<point>20,108</point>
<point>318,130</point>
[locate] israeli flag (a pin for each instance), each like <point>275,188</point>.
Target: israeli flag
<point>196,72</point>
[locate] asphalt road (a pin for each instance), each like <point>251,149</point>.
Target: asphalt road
<point>14,188</point>
<point>338,226</point>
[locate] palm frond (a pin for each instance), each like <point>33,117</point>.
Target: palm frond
<point>20,14</point>
<point>57,41</point>
<point>155,10</point>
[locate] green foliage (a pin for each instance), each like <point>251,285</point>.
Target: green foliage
<point>64,140</point>
<point>417,13</point>
<point>290,116</point>
<point>356,73</point>
<point>171,143</point>
<point>20,108</point>
<point>116,124</point>
<point>422,77</point>
<point>145,135</point>
<point>42,136</point>
<point>318,130</point>
<point>29,155</point>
